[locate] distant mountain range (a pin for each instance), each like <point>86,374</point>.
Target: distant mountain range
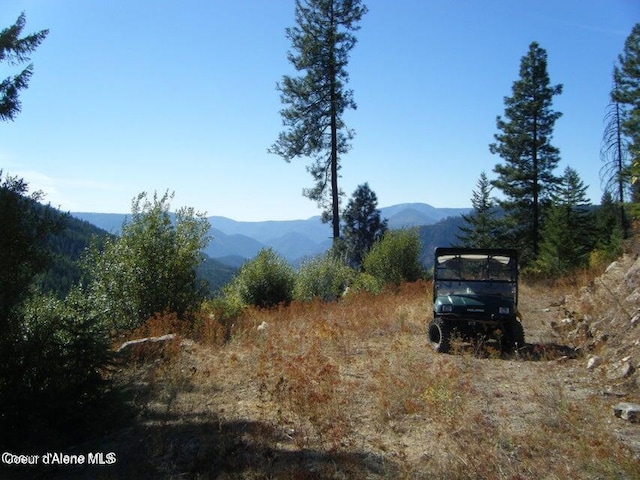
<point>233,242</point>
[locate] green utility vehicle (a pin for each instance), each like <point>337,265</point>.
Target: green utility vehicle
<point>475,292</point>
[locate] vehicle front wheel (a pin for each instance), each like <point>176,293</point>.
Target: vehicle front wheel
<point>439,333</point>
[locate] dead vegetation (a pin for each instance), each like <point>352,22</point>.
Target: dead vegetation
<point>350,389</point>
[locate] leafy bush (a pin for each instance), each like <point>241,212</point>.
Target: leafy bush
<point>50,366</point>
<point>366,282</point>
<point>227,306</point>
<point>265,281</point>
<point>217,316</point>
<point>322,277</point>
<point>395,258</point>
<point>151,267</point>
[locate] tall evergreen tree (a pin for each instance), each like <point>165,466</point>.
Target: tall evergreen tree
<point>613,153</point>
<point>481,229</point>
<point>568,231</point>
<point>627,91</point>
<point>316,101</point>
<point>363,225</point>
<point>524,143</point>
<point>15,51</point>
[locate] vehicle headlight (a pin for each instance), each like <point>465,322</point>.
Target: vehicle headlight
<point>504,310</point>
<point>447,308</point>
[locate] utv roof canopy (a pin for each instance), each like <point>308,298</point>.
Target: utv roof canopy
<point>475,257</point>
<point>476,264</point>
<point>502,255</point>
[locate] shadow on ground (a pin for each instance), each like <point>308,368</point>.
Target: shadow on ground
<point>532,352</point>
<point>168,447</point>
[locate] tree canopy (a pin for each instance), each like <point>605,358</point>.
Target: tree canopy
<point>627,90</point>
<point>481,229</point>
<point>15,50</point>
<point>568,232</point>
<point>315,102</point>
<point>526,177</point>
<point>363,225</point>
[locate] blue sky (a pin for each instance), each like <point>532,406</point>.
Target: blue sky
<point>139,95</point>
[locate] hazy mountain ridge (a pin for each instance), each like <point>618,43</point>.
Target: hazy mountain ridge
<point>229,245</point>
<point>293,239</point>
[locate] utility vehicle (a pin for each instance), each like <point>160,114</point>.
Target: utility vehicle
<point>475,292</point>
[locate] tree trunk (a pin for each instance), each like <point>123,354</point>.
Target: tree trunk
<point>536,206</point>
<point>335,197</point>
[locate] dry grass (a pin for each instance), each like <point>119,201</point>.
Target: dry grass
<point>350,389</point>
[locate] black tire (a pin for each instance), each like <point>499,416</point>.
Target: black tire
<point>439,333</point>
<point>514,335</point>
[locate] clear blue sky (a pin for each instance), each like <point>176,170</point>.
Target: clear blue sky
<point>140,95</point>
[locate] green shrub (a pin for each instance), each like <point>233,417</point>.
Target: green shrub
<point>151,267</point>
<point>50,367</point>
<point>218,315</point>
<point>226,306</point>
<point>395,258</point>
<point>322,277</point>
<point>265,281</point>
<point>607,251</point>
<point>366,282</point>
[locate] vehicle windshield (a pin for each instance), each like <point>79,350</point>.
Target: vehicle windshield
<point>475,274</point>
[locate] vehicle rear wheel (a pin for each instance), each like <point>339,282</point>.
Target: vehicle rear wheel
<point>439,333</point>
<point>515,335</point>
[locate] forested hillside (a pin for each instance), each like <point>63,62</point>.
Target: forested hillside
<point>442,234</point>
<point>68,247</point>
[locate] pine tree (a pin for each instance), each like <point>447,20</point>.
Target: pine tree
<point>627,91</point>
<point>568,231</point>
<point>481,230</point>
<point>613,153</point>
<point>315,102</point>
<point>363,225</point>
<point>526,176</point>
<point>15,51</point>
